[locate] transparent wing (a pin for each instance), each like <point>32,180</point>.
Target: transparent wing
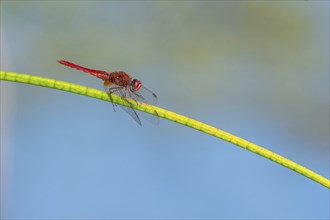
<point>132,113</point>
<point>123,93</point>
<point>143,95</point>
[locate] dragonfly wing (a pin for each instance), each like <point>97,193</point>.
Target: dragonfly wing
<point>122,92</point>
<point>153,119</point>
<point>144,95</point>
<point>132,113</point>
<point>125,93</point>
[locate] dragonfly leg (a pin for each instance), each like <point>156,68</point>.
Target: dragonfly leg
<point>113,90</point>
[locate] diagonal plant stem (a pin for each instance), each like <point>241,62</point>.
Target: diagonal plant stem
<point>189,122</point>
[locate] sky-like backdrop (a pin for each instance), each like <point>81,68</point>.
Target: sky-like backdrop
<point>257,69</point>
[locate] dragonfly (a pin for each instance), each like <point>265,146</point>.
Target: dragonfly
<point>122,84</point>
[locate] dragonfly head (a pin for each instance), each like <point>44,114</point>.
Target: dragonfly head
<point>135,85</point>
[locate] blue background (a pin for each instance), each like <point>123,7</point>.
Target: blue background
<point>259,70</point>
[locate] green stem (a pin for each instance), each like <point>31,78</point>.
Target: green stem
<point>93,93</point>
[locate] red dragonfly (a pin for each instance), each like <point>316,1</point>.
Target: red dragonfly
<point>124,85</point>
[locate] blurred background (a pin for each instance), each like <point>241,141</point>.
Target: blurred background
<point>259,70</point>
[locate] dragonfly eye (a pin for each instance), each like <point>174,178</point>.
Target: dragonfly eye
<point>135,85</point>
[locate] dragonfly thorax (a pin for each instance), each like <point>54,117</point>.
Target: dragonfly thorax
<point>120,78</point>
